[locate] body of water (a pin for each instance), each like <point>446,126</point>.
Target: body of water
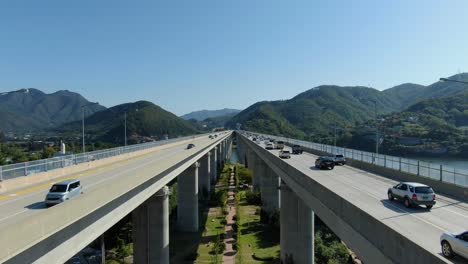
<point>454,163</point>
<point>234,157</point>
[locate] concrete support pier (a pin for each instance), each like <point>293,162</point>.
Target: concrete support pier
<point>151,229</point>
<point>241,152</point>
<point>187,199</point>
<point>204,177</point>
<point>220,157</point>
<point>269,189</point>
<point>214,166</point>
<point>297,229</point>
<point>258,168</point>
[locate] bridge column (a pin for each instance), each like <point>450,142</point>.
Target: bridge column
<point>227,155</point>
<point>257,167</point>
<point>151,229</point>
<point>297,229</point>
<point>204,176</point>
<point>240,152</point>
<point>220,156</point>
<point>187,199</point>
<point>269,188</point>
<point>214,166</point>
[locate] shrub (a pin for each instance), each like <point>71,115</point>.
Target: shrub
<point>253,197</point>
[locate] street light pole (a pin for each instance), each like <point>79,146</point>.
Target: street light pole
<point>125,125</point>
<point>334,140</point>
<point>82,125</point>
<point>376,130</point>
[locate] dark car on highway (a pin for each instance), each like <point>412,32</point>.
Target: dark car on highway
<point>296,149</point>
<point>325,163</point>
<point>189,146</point>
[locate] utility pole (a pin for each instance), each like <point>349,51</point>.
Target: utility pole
<point>82,125</point>
<point>334,140</point>
<point>377,140</point>
<point>125,127</point>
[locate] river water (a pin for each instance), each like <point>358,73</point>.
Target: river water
<point>234,157</point>
<point>454,163</point>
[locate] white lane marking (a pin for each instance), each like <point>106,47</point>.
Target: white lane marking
<point>15,214</point>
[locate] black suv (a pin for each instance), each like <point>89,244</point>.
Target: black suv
<point>189,146</point>
<point>325,162</point>
<point>296,149</point>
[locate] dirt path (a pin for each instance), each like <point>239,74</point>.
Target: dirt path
<point>229,255</point>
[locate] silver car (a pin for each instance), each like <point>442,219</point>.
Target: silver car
<point>63,191</point>
<point>453,244</point>
<point>285,154</point>
<point>412,193</point>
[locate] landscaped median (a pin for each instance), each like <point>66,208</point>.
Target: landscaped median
<point>256,242</point>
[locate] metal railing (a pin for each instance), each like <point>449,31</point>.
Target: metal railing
<point>31,167</point>
<point>419,168</point>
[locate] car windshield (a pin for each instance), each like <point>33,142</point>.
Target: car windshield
<point>58,188</point>
<point>339,156</point>
<point>424,190</point>
<point>286,152</point>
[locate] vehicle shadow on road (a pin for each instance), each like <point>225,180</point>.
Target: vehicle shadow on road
<point>36,206</point>
<point>398,207</point>
<point>318,169</point>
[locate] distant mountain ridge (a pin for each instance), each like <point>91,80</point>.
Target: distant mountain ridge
<point>204,114</point>
<point>30,109</point>
<point>145,121</point>
<point>315,112</point>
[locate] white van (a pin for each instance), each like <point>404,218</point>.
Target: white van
<point>63,191</point>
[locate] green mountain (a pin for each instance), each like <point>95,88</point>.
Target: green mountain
<point>204,114</point>
<point>315,112</point>
<point>32,110</point>
<point>145,121</point>
<point>430,127</point>
<point>409,94</point>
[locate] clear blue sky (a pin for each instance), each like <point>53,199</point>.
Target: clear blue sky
<point>210,54</point>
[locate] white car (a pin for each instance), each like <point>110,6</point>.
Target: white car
<point>269,146</point>
<point>453,244</point>
<point>284,154</point>
<point>412,193</point>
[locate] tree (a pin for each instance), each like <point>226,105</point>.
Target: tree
<point>47,153</point>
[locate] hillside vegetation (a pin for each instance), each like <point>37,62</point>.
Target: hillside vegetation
<point>412,118</point>
<point>145,121</point>
<point>31,110</point>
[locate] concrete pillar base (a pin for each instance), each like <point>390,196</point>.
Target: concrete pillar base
<point>204,177</point>
<point>297,229</point>
<point>187,199</point>
<point>151,229</point>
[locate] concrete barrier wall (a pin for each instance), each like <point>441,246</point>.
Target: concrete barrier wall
<point>43,177</point>
<point>445,188</point>
<point>371,239</point>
